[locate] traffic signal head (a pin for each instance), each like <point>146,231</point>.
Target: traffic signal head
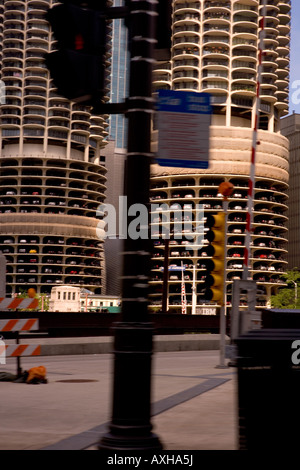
<point>216,223</point>
<point>77,67</point>
<point>77,28</point>
<point>84,80</point>
<point>214,287</point>
<point>214,281</point>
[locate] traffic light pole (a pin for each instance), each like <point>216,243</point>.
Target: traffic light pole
<point>165,276</point>
<point>222,364</point>
<point>226,189</point>
<point>130,427</point>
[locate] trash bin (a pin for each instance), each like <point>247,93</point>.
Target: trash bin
<point>268,385</point>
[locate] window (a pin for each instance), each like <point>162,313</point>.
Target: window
<point>74,296</point>
<point>69,295</point>
<point>58,295</point>
<point>65,295</point>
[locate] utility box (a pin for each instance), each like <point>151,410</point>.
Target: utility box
<point>242,321</point>
<point>268,384</point>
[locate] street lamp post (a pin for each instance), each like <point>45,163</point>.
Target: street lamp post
<point>130,427</point>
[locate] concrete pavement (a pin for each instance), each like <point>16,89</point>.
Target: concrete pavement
<point>193,403</point>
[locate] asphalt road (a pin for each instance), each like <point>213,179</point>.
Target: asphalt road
<point>193,403</point>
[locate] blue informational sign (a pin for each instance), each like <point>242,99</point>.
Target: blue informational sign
<point>174,268</point>
<point>183,121</point>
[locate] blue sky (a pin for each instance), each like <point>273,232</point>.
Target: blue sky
<point>295,59</point>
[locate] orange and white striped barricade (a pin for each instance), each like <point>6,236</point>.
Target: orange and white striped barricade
<point>20,324</point>
<point>7,303</point>
<point>18,350</point>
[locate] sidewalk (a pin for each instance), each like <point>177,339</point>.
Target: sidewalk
<point>194,403</point>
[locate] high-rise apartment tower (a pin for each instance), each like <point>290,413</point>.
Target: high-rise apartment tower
<point>51,176</point>
<point>290,127</point>
<point>215,49</point>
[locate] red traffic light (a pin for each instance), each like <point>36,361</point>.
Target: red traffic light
<point>69,23</point>
<point>79,42</point>
<point>78,66</point>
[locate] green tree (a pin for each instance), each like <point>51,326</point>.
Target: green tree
<point>287,297</point>
<point>43,300</point>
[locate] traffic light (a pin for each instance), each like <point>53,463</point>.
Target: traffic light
<point>77,67</point>
<point>214,281</point>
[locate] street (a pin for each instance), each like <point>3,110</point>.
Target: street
<point>194,403</point>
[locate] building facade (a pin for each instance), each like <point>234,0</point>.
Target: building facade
<point>51,175</point>
<point>64,299</point>
<point>119,79</point>
<point>75,299</point>
<point>290,127</point>
<point>116,149</point>
<point>215,49</point>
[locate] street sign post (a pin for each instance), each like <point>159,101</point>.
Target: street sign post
<point>183,120</point>
<point>130,427</point>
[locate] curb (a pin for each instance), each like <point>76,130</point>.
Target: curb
<point>105,345</point>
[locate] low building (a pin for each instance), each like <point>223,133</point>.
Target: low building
<point>90,302</point>
<point>65,299</point>
<point>75,299</point>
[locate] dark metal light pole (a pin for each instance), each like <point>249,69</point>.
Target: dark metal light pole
<point>130,427</point>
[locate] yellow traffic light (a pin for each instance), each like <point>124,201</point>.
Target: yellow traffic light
<point>214,282</point>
